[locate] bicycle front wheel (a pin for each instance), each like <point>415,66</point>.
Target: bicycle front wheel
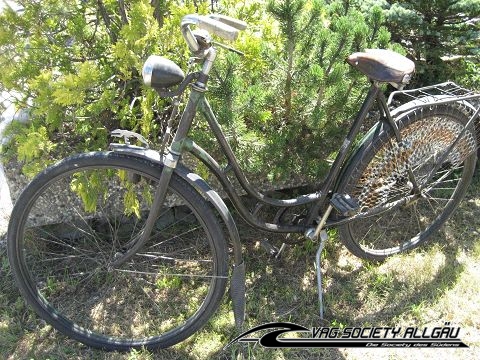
<point>382,171</point>
<point>70,229</point>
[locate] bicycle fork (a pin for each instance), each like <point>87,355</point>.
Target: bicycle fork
<point>170,161</point>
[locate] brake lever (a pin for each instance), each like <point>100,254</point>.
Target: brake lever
<point>238,52</point>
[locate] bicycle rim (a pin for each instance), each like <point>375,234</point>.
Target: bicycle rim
<point>75,223</point>
<point>381,177</point>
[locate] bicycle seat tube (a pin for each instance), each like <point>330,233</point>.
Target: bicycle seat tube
<point>336,168</point>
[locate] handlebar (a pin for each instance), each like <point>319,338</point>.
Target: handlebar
<point>223,26</point>
<point>237,24</point>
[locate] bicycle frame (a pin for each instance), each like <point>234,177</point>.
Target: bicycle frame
<point>318,216</point>
<point>319,200</point>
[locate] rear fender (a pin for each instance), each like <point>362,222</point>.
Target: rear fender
<point>395,113</point>
<point>359,149</point>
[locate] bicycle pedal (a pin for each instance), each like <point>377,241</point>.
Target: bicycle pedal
<point>345,204</point>
<point>271,249</point>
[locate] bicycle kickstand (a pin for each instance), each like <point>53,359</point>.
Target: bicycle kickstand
<point>323,238</point>
<point>321,234</point>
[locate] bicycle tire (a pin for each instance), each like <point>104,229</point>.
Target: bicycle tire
<point>378,175</point>
<point>62,264</point>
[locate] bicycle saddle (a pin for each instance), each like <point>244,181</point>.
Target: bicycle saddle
<point>383,65</point>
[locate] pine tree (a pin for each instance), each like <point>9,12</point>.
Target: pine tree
<point>314,91</point>
<point>77,64</point>
<point>434,32</point>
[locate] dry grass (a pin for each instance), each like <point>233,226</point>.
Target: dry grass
<point>437,283</point>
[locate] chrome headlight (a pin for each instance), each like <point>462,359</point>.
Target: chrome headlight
<point>161,73</point>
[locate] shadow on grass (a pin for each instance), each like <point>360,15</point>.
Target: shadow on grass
<point>284,289</point>
<point>362,294</point>
<point>23,335</point>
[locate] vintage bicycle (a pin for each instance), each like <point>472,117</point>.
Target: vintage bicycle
<point>129,248</point>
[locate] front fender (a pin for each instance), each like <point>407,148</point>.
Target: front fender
<point>237,281</point>
<point>199,184</point>
<point>211,195</point>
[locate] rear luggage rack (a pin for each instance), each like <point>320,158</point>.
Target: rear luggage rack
<point>446,92</point>
<point>468,101</point>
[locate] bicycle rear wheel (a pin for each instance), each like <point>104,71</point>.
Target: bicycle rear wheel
<point>379,175</point>
<point>69,230</point>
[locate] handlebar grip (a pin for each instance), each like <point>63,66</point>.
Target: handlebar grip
<point>218,28</point>
<point>220,25</point>
<point>237,24</point>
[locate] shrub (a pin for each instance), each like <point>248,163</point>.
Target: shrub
<point>77,66</point>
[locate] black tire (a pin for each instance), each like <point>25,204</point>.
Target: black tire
<point>378,175</point>
<point>79,216</point>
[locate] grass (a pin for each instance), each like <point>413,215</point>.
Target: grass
<point>437,283</point>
